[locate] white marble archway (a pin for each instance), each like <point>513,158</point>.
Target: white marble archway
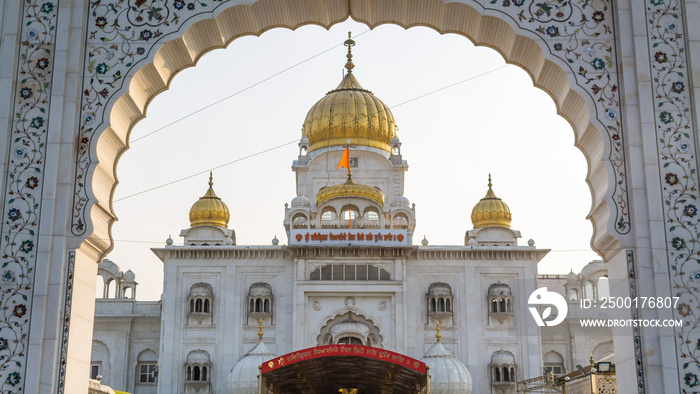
<point>84,73</point>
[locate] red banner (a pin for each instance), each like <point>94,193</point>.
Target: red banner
<point>345,237</point>
<point>343,350</point>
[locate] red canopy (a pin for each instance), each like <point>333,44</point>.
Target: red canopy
<point>327,369</point>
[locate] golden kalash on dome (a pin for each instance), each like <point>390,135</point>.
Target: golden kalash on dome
<point>491,211</point>
<point>349,114</point>
<point>209,210</point>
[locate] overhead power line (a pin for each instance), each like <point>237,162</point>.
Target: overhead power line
<point>239,92</point>
<point>296,140</point>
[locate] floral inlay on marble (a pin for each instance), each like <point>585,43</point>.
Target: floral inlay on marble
<point>581,33</point>
<point>120,34</point>
<point>67,305</point>
<point>24,183</point>
<point>679,183</point>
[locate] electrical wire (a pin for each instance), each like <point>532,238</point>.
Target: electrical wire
<point>296,140</point>
<point>239,92</point>
<point>205,171</point>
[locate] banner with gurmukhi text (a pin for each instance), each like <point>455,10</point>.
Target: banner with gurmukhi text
<point>344,350</point>
<point>348,237</point>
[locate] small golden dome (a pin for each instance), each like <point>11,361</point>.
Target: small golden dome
<point>491,211</point>
<point>349,112</point>
<point>350,189</point>
<point>209,210</point>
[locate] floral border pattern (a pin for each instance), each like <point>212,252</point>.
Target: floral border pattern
<point>23,186</point>
<point>67,305</point>
<point>122,33</point>
<point>679,183</point>
<point>636,331</point>
<point>582,34</point>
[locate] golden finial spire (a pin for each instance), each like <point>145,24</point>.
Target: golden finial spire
<point>592,360</point>
<point>260,331</point>
<point>349,43</point>
<point>438,335</point>
<point>490,181</point>
<point>211,178</point>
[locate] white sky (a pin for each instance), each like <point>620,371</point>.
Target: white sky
<point>452,139</point>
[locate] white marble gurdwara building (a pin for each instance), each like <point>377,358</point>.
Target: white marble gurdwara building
<point>351,272</point>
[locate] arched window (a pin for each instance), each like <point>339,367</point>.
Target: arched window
<point>195,374</point>
<point>350,328</point>
<point>147,368</point>
<point>260,303</point>
<point>440,303</point>
<point>100,362</point>
<point>300,220</point>
<point>554,363</point>
<point>503,368</point>
<point>200,302</point>
<point>500,301</point>
<point>400,220</point>
<point>197,369</point>
<point>573,295</point>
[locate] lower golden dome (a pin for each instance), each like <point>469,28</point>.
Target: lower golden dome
<point>209,210</point>
<point>491,211</point>
<point>350,189</point>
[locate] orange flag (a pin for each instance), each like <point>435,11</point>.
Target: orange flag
<point>345,160</point>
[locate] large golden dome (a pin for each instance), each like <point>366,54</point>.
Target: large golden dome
<point>491,211</point>
<point>350,189</point>
<point>209,210</point>
<point>349,112</point>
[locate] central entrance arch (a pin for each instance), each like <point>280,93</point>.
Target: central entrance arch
<point>132,51</point>
<point>158,50</point>
<point>157,54</point>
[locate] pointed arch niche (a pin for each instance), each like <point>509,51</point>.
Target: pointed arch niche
<point>155,55</point>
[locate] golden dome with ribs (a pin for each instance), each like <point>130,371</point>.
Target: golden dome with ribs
<point>209,210</point>
<point>491,211</point>
<point>349,112</point>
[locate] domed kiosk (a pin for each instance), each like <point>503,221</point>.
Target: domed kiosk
<point>244,376</point>
<point>447,374</point>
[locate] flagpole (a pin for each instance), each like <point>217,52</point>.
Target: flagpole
<point>349,175</point>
